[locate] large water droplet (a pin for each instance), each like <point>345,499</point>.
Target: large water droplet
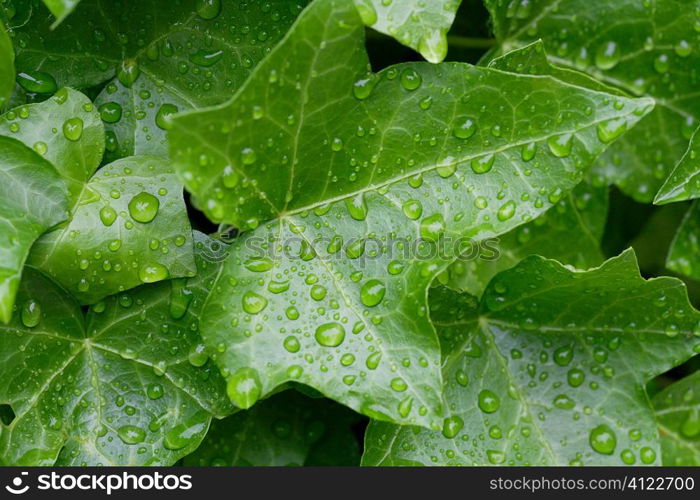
<point>144,207</point>
<point>208,9</point>
<point>244,388</point>
<point>253,303</point>
<point>131,434</point>
<point>30,314</point>
<point>451,426</point>
<point>432,227</point>
<point>37,82</point>
<point>603,440</point>
<point>73,129</point>
<point>488,401</point>
<point>164,116</point>
<point>607,56</point>
<point>330,334</point>
<point>372,293</point>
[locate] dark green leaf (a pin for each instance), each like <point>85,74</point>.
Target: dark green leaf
<point>642,48</point>
<point>678,416</point>
<point>286,430</point>
<point>32,200</point>
<point>130,384</point>
<point>550,368</point>
<point>353,169</point>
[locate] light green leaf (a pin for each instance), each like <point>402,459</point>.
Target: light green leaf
<point>642,48</point>
<point>60,9</point>
<point>684,253</point>
<point>65,130</point>
<point>108,246</point>
<point>129,385</point>
<point>678,415</point>
<point>286,430</point>
<point>162,57</point>
<point>32,200</point>
<point>550,368</point>
<point>366,168</point>
<point>417,24</point>
<point>7,67</point>
<point>684,182</point>
<point>570,232</point>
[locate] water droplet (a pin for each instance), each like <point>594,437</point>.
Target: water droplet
<point>610,130</point>
<point>108,215</point>
<point>259,264</point>
<point>410,79</point>
<point>372,293</point>
<point>528,151</point>
<point>488,401</point>
<point>164,116</point>
<point>253,303</point>
<point>206,58</point>
<point>398,384</point>
<point>362,88</point>
<point>197,355</point>
<point>144,207</point>
<point>128,72</point>
<point>30,314</point>
<point>37,82</point>
<point>244,388</point>
<point>248,156</point>
<point>607,56</point>
<point>506,211</point>
<point>432,227</point>
<point>291,344</point>
<point>131,434</point>
<point>357,207</point>
<point>451,426</point>
<point>150,273</point>
<point>413,209</point>
<point>73,129</point>
<point>465,130</point>
<point>483,164</point>
<point>330,334</point>
<point>373,360</point>
<point>184,434</point>
<point>155,391</point>
<point>110,112</point>
<point>603,440</point>
<point>560,145</point>
<point>208,9</point>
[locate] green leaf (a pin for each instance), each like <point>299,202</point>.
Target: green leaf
<point>162,57</point>
<point>570,232</point>
<point>684,183</point>
<point>678,415</point>
<point>66,130</point>
<point>550,368</point>
<point>286,430</point>
<point>107,246</point>
<point>417,24</point>
<point>32,200</point>
<point>7,67</point>
<point>129,227</point>
<point>130,384</point>
<point>352,169</point>
<point>684,253</point>
<point>642,48</point>
<point>60,9</point>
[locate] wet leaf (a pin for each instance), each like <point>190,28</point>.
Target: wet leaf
<point>678,415</point>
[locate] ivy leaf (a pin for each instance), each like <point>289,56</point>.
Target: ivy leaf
<point>32,200</point>
<point>678,415</point>
<point>128,226</point>
<point>550,368</point>
<point>60,9</point>
<point>161,58</point>
<point>287,429</point>
<point>684,183</point>
<point>641,48</point>
<point>417,24</point>
<point>684,253</point>
<point>66,130</point>
<point>129,384</point>
<point>371,171</point>
<point>570,232</point>
<point>7,67</point>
